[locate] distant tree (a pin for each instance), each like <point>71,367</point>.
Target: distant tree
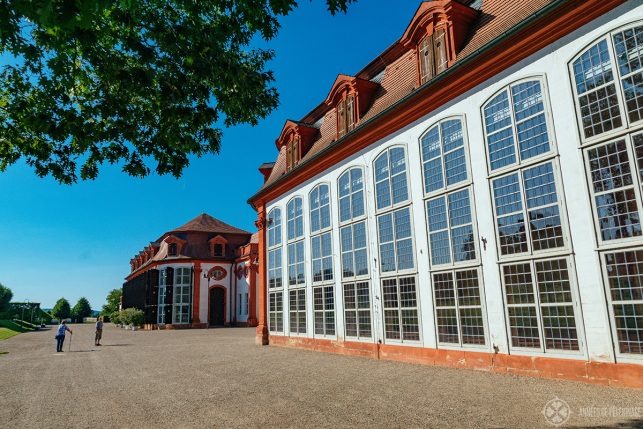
<point>5,298</point>
<point>113,300</point>
<point>61,309</point>
<point>81,310</point>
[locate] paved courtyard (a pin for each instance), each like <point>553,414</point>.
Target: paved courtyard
<point>219,378</point>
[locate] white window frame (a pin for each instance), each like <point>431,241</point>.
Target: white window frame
<point>622,357</point>
<point>637,184</point>
<point>295,219</point>
<point>626,126</point>
<point>400,309</point>
<point>273,328</point>
<point>297,311</point>
<point>274,228</point>
<point>317,212</point>
<point>324,311</point>
<point>392,206</point>
<point>575,303</point>
<point>179,308</point>
<point>354,280</point>
<point>553,147</point>
<point>357,310</point>
<point>350,195</point>
<point>292,249</point>
<point>566,248</point>
<point>352,251</point>
<point>481,290</point>
<point>465,146</point>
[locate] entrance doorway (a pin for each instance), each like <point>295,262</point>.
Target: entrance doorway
<point>217,306</point>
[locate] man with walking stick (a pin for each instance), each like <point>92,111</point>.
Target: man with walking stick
<point>60,336</point>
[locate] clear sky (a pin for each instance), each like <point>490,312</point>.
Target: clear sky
<point>73,241</point>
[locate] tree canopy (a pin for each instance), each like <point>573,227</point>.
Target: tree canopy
<point>113,300</point>
<point>61,310</point>
<point>5,298</point>
<point>145,84</point>
<point>81,310</point>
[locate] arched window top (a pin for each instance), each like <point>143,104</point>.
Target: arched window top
<point>608,82</point>
<point>351,194</point>
<point>274,227</point>
<point>295,225</point>
<point>444,156</point>
<point>320,208</point>
<point>390,177</point>
<point>516,124</point>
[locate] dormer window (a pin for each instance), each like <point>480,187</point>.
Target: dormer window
<point>350,96</point>
<point>217,246</point>
<point>345,116</point>
<point>171,249</point>
<point>437,32</point>
<point>297,137</point>
<point>293,154</point>
<point>432,55</point>
<point>218,250</point>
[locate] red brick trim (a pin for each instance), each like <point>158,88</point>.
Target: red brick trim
<point>611,374</point>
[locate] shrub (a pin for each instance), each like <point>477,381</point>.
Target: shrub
<point>132,316</point>
<point>115,317</point>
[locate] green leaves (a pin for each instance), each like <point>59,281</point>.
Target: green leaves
<point>144,84</point>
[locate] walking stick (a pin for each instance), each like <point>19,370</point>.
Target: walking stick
<point>70,337</point>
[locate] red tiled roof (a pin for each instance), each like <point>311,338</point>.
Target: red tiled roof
<point>399,79</point>
<point>206,223</point>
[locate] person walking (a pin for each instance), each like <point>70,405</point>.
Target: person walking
<point>60,336</point>
<point>99,331</point>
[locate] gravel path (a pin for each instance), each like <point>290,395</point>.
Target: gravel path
<point>219,378</point>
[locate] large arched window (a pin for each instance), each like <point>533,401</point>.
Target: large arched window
<point>322,260</point>
<point>396,252</point>
<point>274,249</point>
<point>532,234</point>
<point>295,226</point>
<point>319,208</point>
<point>351,195</point>
<point>296,266</point>
<point>443,156</point>
<point>607,78</point>
<point>452,236</point>
<point>275,275</point>
<point>354,249</point>
<point>608,83</point>
<point>391,186</point>
<point>516,124</point>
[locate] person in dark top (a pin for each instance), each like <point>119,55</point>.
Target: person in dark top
<point>99,331</point>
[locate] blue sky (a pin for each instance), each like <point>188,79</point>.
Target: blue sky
<point>73,241</point>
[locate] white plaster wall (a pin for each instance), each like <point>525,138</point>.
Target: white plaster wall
<point>552,63</point>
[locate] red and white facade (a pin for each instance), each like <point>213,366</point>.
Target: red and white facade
<point>471,198</point>
<point>202,274</point>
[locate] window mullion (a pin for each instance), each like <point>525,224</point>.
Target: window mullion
<point>514,129</point>
<point>634,171</point>
<point>456,303</point>
<point>618,82</point>
<point>539,317</point>
<point>525,211</point>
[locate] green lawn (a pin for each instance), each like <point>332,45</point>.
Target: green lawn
<point>9,328</point>
<point>7,333</point>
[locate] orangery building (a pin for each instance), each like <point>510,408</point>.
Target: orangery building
<point>472,197</point>
<point>198,275</point>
